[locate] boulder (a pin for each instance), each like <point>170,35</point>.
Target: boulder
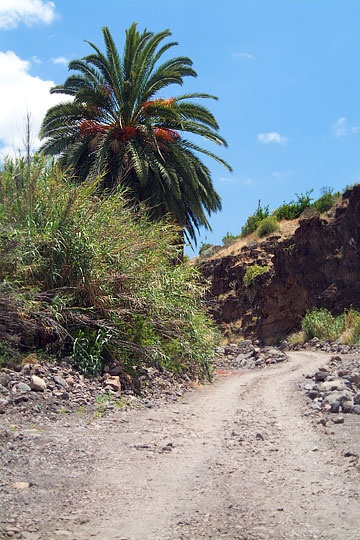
<point>37,384</point>
<point>114,383</point>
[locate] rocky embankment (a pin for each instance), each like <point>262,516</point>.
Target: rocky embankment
<point>334,389</point>
<point>317,266</point>
<point>39,389</point>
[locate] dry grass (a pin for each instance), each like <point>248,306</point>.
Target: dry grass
<point>297,337</point>
<point>287,228</point>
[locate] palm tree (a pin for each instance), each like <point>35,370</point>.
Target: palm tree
<point>116,125</point>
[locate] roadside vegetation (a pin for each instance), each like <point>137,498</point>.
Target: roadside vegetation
<point>82,276</point>
<point>322,324</point>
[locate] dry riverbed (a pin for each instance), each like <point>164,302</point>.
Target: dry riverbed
<point>245,458</point>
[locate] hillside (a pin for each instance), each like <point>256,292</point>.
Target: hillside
<point>312,262</point>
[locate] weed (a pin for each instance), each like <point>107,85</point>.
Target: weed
<point>251,274</point>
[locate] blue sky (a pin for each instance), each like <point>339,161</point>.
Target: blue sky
<point>286,74</point>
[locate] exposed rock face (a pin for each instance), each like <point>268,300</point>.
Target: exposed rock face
<point>319,266</point>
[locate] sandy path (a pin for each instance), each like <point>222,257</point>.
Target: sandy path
<point>241,459</point>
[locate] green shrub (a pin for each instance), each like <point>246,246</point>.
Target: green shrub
<point>267,226</point>
<point>82,275</point>
<point>293,209</point>
<point>321,324</point>
<point>252,272</point>
<point>324,203</point>
<point>254,220</point>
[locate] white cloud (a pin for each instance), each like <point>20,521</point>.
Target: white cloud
<point>280,175</point>
<point>271,137</point>
<point>60,60</point>
<point>29,12</point>
<point>20,93</point>
<point>36,60</point>
<point>223,179</point>
<point>340,128</point>
<point>243,55</point>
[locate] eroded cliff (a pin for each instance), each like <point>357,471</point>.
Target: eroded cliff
<point>316,266</point>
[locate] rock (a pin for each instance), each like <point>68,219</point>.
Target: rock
<point>115,371</point>
<point>356,409</point>
<point>23,387</point>
<point>313,394</point>
<point>114,383</point>
<point>338,419</point>
<point>20,485</point>
<point>355,378</point>
<point>3,405</point>
<point>149,405</point>
<point>5,379</point>
<point>335,406</point>
<point>336,384</point>
<point>357,399</point>
<point>338,396</point>
<point>70,380</point>
<point>60,381</point>
<point>350,454</point>
<point>3,390</point>
<point>37,383</point>
<point>325,369</point>
<point>346,406</point>
<point>321,376</point>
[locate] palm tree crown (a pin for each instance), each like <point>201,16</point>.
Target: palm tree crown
<point>115,124</point>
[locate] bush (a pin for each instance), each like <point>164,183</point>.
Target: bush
<point>82,275</point>
<point>321,324</point>
<point>325,202</point>
<point>254,220</point>
<point>309,213</point>
<point>205,250</point>
<point>267,226</point>
<point>252,272</point>
<point>229,239</point>
<point>293,209</point>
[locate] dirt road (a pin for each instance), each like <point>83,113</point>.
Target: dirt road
<point>241,459</point>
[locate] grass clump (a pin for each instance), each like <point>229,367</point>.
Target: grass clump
<point>267,226</point>
<point>322,324</point>
<point>82,275</point>
<point>252,272</point>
